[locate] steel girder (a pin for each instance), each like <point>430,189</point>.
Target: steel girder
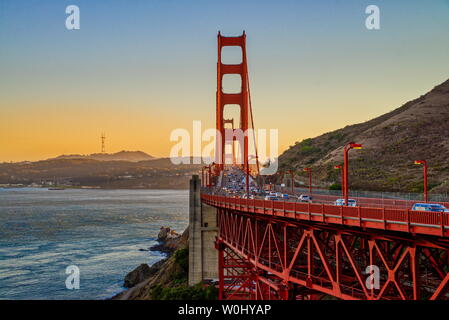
<point>273,258</point>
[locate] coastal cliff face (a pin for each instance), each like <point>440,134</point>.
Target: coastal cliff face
<point>167,279</point>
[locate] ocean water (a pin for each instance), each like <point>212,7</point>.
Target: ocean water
<point>43,232</point>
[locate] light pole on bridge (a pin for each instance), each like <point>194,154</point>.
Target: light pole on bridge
<point>202,177</point>
<point>424,163</point>
<point>349,146</point>
<point>293,180</point>
<point>209,180</point>
<point>281,174</point>
<point>340,168</point>
<point>247,181</point>
<point>309,170</point>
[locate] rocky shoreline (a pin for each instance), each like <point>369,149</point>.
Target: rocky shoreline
<point>168,241</point>
<point>141,280</point>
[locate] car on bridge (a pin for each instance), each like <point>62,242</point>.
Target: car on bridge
<point>285,196</point>
<point>270,197</point>
<point>341,202</point>
<point>304,198</point>
<point>433,207</point>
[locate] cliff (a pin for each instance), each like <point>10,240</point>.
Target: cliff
<point>167,279</point>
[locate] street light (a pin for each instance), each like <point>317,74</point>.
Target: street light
<point>340,168</point>
<point>209,178</point>
<point>247,181</point>
<point>349,146</point>
<point>203,183</point>
<point>424,163</point>
<point>281,173</point>
<point>293,180</point>
<point>309,170</point>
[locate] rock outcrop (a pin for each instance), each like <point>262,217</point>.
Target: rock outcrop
<point>168,240</point>
<point>142,273</point>
<point>162,273</point>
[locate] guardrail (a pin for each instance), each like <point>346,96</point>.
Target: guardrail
<point>393,219</point>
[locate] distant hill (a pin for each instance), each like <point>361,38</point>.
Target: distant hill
<point>158,173</point>
<point>132,156</point>
<point>417,130</point>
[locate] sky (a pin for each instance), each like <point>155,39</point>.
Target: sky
<point>138,69</point>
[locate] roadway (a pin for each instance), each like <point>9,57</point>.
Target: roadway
<point>385,214</point>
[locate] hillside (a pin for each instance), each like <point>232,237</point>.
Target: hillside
<point>132,156</point>
<point>159,173</point>
<point>167,279</point>
<point>417,130</point>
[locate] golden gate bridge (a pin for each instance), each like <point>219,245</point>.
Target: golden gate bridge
<point>269,249</point>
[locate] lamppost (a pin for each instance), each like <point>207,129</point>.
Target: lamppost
<point>424,163</point>
<point>293,180</point>
<point>202,177</point>
<point>209,179</point>
<point>340,168</point>
<point>282,180</point>
<point>309,170</point>
<point>247,181</point>
<point>349,146</point>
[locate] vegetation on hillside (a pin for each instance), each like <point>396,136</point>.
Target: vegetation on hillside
<point>417,130</point>
<point>170,282</point>
<point>178,288</point>
<point>158,173</point>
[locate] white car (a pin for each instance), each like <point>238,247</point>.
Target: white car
<point>304,198</point>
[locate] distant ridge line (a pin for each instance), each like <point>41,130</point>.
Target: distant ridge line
<point>130,156</point>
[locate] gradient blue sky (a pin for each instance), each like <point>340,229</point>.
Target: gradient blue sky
<point>139,69</point>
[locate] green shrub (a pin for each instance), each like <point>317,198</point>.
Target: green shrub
<point>335,186</point>
<point>182,258</point>
<point>184,292</point>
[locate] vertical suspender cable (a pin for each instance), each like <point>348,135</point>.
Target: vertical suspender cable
<point>252,120</point>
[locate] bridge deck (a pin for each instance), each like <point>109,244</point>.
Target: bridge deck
<point>402,220</point>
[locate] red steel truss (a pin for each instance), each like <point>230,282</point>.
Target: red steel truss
<point>277,258</point>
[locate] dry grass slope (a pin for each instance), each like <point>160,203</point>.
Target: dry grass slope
<point>417,130</point>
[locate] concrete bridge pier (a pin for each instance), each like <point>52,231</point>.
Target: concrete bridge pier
<point>203,257</point>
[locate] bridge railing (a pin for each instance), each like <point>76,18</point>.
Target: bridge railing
<point>385,195</point>
<point>371,198</point>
